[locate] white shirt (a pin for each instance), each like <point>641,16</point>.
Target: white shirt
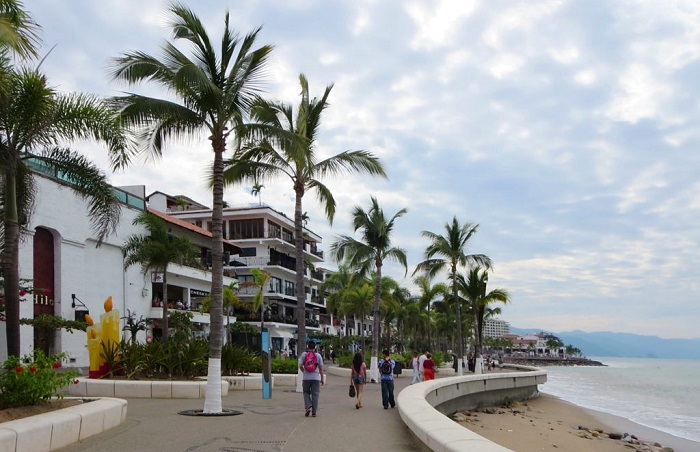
<point>421,360</point>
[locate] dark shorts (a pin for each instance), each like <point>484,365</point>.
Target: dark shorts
<point>358,380</point>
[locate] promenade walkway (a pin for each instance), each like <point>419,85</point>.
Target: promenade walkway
<point>276,424</point>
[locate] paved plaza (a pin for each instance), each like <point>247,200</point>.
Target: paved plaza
<point>276,424</point>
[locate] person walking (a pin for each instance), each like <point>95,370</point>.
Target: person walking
<point>429,368</point>
<point>358,377</point>
<point>414,366</point>
<point>311,363</point>
<point>421,360</point>
<point>386,373</point>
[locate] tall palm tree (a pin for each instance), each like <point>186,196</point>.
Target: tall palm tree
<point>155,251</point>
<point>18,31</point>
<point>473,289</point>
<point>428,294</point>
<point>368,255</point>
<point>34,117</point>
<point>210,92</point>
<point>289,149</point>
<point>358,303</point>
<point>449,252</point>
<point>336,287</point>
<point>410,320</point>
<point>445,318</point>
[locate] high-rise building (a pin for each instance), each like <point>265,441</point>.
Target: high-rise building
<point>496,328</point>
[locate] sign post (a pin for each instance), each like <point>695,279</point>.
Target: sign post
<point>266,364</point>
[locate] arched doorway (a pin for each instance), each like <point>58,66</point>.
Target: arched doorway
<point>43,283</point>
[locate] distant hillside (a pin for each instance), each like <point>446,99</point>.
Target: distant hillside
<point>606,343</point>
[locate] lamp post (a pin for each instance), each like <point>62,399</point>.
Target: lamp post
<point>79,313</point>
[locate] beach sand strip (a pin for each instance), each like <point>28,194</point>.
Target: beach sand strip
<point>547,423</point>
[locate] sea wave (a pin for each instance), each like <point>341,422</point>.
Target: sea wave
<point>657,393</point>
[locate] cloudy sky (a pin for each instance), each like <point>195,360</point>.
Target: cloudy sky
<point>568,130</point>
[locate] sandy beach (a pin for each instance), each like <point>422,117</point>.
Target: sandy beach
<point>549,423</point>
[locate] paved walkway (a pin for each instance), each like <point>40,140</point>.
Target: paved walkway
<point>276,424</point>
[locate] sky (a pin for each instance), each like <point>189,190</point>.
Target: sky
<point>567,130</point>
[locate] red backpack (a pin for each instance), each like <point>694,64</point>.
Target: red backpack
<point>310,361</point>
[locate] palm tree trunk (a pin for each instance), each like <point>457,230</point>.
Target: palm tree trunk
<point>166,330</point>
<point>213,401</point>
<point>460,334</point>
<point>10,266</point>
<point>299,267</point>
<point>376,326</point>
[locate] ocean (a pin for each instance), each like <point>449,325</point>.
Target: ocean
<point>663,394</point>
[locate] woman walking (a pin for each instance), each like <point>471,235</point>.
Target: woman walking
<point>429,367</point>
<point>358,377</point>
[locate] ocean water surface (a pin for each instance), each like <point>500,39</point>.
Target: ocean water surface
<point>663,394</point>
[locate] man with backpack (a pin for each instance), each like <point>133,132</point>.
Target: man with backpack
<point>386,375</point>
<point>311,363</point>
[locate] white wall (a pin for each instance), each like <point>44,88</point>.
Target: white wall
<point>80,268</point>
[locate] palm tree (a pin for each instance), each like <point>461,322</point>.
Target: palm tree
<point>448,251</point>
<point>255,191</point>
<point>289,150</point>
<point>33,119</point>
<point>445,318</point>
<point>155,251</point>
<point>336,287</point>
<point>210,92</point>
<point>358,303</point>
<point>410,322</point>
<point>427,296</point>
<point>473,289</point>
<point>261,279</point>
<point>230,302</point>
<point>369,255</point>
<point>18,31</point>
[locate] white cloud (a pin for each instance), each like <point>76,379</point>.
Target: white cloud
<point>639,96</point>
<point>567,130</point>
<point>437,23</point>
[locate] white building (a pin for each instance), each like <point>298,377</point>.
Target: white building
<point>266,239</point>
<point>60,256</point>
<point>496,328</point>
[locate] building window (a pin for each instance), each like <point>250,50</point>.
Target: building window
<point>289,288</point>
<point>246,229</point>
<point>274,231</point>
<point>276,285</point>
<point>249,252</point>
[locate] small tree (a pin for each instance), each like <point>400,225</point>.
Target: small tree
<point>134,325</point>
<point>156,251</point>
<point>260,280</point>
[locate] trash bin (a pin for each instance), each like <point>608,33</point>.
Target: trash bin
<point>398,368</point>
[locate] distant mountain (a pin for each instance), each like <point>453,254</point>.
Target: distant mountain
<point>605,343</point>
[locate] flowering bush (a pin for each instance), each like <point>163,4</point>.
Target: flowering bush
<point>33,379</point>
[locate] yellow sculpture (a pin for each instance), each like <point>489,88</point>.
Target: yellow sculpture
<point>106,332</point>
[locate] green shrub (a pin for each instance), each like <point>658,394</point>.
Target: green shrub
<point>194,354</point>
<point>237,360</point>
<point>345,359</point>
<point>284,366</point>
<point>33,379</point>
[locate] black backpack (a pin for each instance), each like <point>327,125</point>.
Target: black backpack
<point>386,367</point>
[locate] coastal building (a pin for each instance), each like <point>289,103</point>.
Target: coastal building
<point>71,275</point>
<point>266,240</point>
<point>496,328</point>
